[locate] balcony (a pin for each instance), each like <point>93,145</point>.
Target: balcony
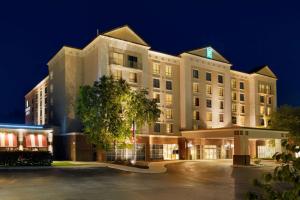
<point>126,63</point>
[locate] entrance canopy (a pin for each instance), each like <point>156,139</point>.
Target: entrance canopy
<point>231,132</point>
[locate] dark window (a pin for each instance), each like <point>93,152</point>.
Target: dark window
<point>208,103</point>
<point>242,86</point>
<point>242,97</point>
<point>197,115</point>
<point>261,99</point>
<point>220,79</point>
<point>157,127</point>
<point>208,76</point>
<point>196,101</point>
<point>169,85</point>
<point>270,100</point>
<point>221,105</point>
<point>132,61</point>
<point>46,90</point>
<point>195,73</point>
<point>156,83</point>
<point>233,120</point>
<point>261,122</point>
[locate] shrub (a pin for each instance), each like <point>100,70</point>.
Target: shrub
<point>257,161</point>
<point>25,158</point>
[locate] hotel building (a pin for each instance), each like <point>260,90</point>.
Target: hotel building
<point>209,111</point>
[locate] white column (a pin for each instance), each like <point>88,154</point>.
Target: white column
<point>278,145</point>
<point>20,139</point>
<point>50,140</point>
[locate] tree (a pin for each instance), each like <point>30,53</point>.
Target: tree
<point>287,118</point>
<point>284,182</point>
<point>108,108</point>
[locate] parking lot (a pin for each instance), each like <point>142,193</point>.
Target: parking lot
<point>187,180</point>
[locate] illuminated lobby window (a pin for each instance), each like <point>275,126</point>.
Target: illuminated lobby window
<point>156,68</point>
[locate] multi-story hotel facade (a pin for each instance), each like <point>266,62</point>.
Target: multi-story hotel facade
<point>209,111</point>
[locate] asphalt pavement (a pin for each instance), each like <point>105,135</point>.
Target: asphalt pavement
<point>186,180</point>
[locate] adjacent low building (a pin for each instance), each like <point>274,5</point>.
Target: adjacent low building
<point>19,137</point>
<point>209,111</point>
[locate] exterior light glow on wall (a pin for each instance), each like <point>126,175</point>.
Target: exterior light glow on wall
<point>209,52</point>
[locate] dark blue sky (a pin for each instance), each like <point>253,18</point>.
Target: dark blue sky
<point>247,34</point>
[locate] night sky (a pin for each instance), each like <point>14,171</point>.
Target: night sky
<point>247,34</point>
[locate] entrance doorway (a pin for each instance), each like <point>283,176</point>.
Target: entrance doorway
<point>210,152</point>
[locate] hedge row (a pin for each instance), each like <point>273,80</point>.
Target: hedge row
<point>25,158</point>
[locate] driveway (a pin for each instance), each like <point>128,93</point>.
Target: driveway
<point>187,180</point>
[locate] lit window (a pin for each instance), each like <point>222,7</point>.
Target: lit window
<point>262,110</point>
<point>196,101</point>
<point>27,104</point>
<point>208,90</point>
<point>195,87</point>
<point>222,105</point>
<point>221,117</point>
<point>169,114</point>
<point>196,115</point>
<point>242,86</point>
<point>242,120</point>
<point>261,88</point>
<point>233,83</point>
<point>221,91</point>
<point>268,89</point>
<point>169,99</point>
<point>220,79</point>
<point>233,107</point>
<point>169,85</point>
<point>208,103</point>
<point>242,97</point>
<point>233,96</point>
<point>156,83</point>
<point>118,58</point>
<point>269,111</point>
<point>169,128</point>
<point>156,68</point>
<point>195,73</point>
<point>208,76</point>
<point>117,74</point>
<point>208,116</point>
<point>168,70</point>
<point>51,75</point>
<point>156,96</point>
<point>133,77</point>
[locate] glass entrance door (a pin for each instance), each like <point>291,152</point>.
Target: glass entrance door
<point>210,152</point>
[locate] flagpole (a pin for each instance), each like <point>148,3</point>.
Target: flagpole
<point>134,142</point>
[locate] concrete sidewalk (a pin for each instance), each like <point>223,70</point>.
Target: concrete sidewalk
<point>154,167</point>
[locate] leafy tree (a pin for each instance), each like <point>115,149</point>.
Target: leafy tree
<point>284,182</point>
<point>108,108</point>
<point>287,118</point>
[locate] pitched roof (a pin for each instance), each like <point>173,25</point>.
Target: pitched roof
<point>208,52</point>
<point>127,34</point>
<point>265,71</point>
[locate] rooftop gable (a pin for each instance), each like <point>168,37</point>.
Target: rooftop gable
<point>265,71</point>
<point>209,53</point>
<point>127,34</point>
